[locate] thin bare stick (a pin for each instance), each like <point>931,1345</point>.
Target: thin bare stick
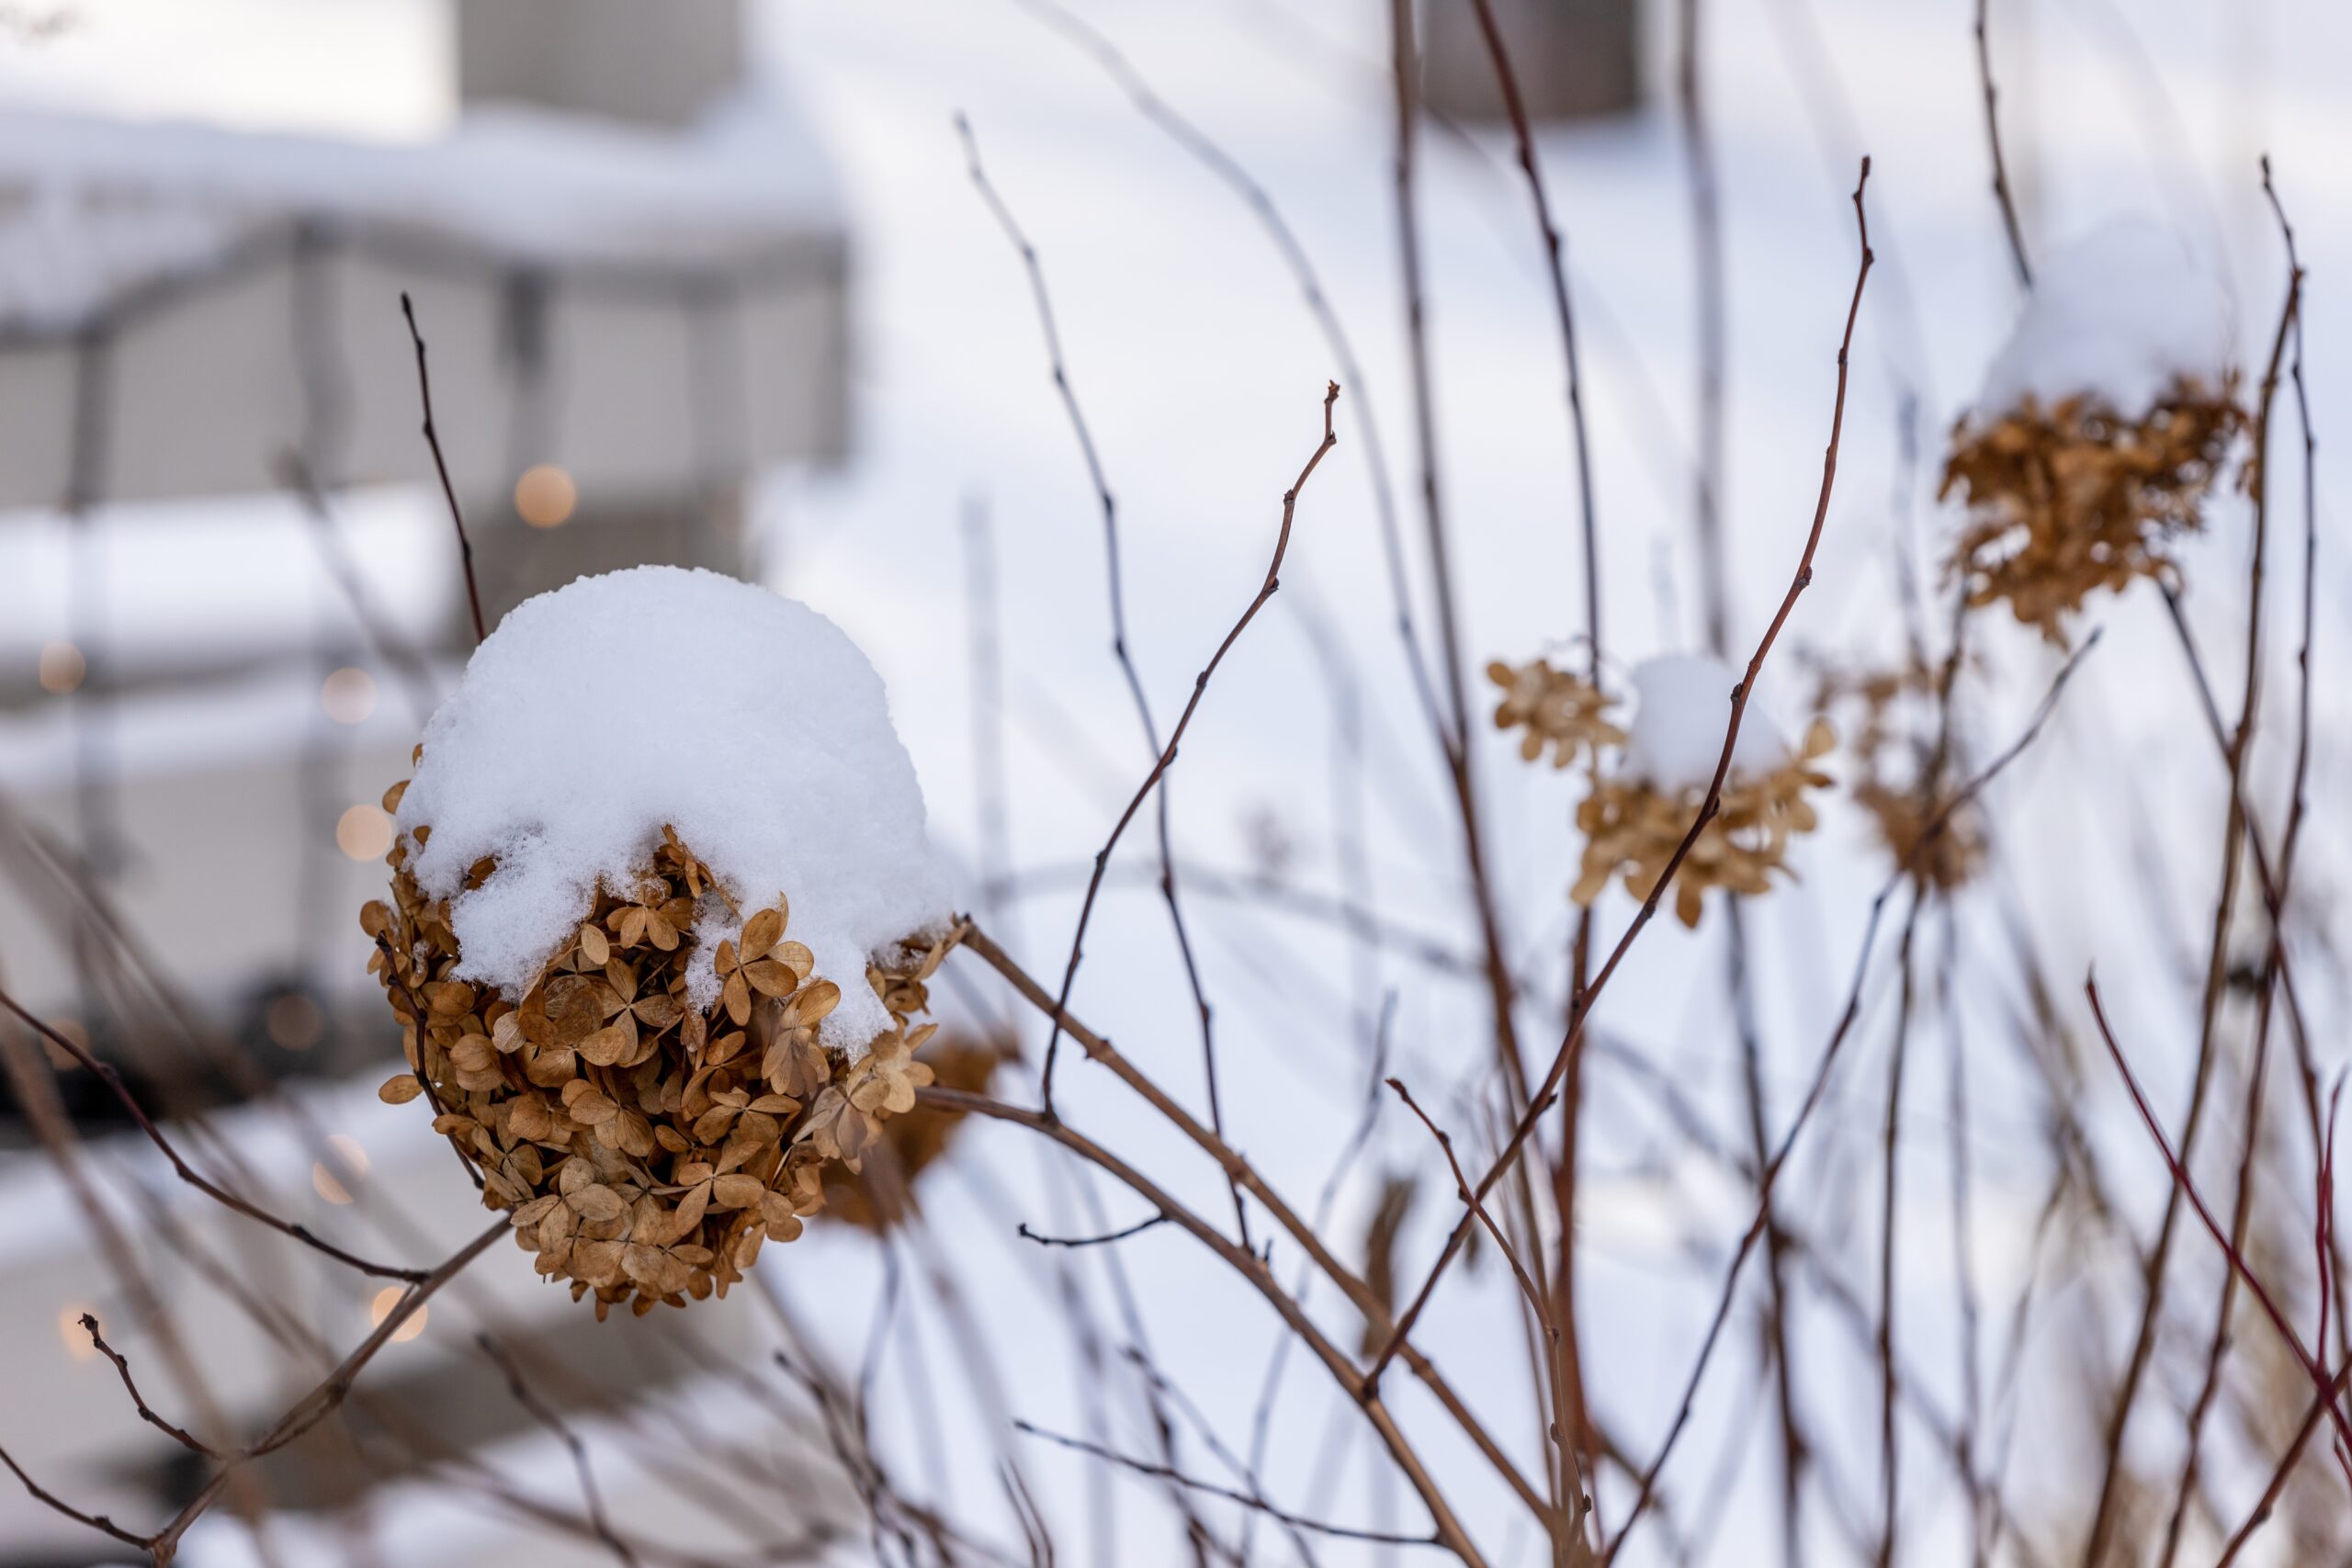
<point>1555,263</point>
<point>1166,758</point>
<point>49,1499</point>
<point>2243,1209</point>
<point>327,1397</point>
<point>387,641</point>
<point>1140,1226</point>
<point>1580,1007</point>
<point>1360,1295</point>
<point>2001,193</point>
<point>1028,252</point>
<point>1405,74</point>
<point>1213,156</point>
<point>544,1415</point>
<point>1253,1271</point>
<point>188,1173</point>
<point>441,467</point>
<point>2186,1185</point>
<point>1257,1504</point>
<point>2237,833</point>
<point>1929,834</point>
<point>146,1412</point>
<point>1565,1356</point>
<point>1536,1299</point>
<point>1563,1437</point>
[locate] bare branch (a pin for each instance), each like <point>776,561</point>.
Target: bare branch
<point>188,1173</point>
<point>1136,1229</point>
<point>441,467</point>
<point>1257,1504</point>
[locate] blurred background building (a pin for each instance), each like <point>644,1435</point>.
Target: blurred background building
<point>631,270</point>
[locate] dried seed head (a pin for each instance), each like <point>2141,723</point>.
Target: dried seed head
<point>2074,497</point>
<point>647,1149</point>
<point>1634,828</point>
<point>1896,723</point>
<point>1555,709</point>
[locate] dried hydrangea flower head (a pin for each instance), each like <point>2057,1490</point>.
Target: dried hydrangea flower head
<point>1556,708</point>
<point>1893,744</point>
<point>660,1089</point>
<point>1634,820</point>
<point>2101,429</point>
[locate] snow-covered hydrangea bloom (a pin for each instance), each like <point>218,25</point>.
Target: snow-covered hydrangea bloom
<point>596,716</point>
<point>2119,315</point>
<point>1635,818</point>
<point>2102,426</point>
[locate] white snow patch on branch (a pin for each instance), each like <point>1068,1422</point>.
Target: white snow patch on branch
<point>595,714</point>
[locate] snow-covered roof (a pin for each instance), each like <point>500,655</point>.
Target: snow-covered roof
<point>92,207</point>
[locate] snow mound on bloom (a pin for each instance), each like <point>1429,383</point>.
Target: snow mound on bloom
<point>2120,313</point>
<point>597,713</point>
<point>1681,706</point>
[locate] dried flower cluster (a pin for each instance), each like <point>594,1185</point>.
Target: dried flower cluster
<point>1558,709</point>
<point>1892,748</point>
<point>879,1196</point>
<point>2074,497</point>
<point>1629,826</point>
<point>646,1148</point>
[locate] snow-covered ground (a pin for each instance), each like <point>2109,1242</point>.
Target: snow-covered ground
<point>1201,376</point>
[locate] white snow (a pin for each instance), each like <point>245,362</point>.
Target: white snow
<point>1682,705</point>
<point>91,207</point>
<point>595,714</point>
<point>2117,313</point>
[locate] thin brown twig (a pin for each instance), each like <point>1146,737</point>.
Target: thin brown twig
<point>544,1415</point>
<point>2243,1208</point>
<point>1028,252</point>
<point>1966,1436</point>
<point>1536,1300</point>
<point>1502,990</point>
<point>2300,797</point>
<point>1933,830</point>
<point>1564,1437</point>
<point>113,1080</point>
<point>1922,893</point>
<point>1254,1270</point>
<point>1360,1295</point>
<point>1213,156</point>
<point>2001,193</point>
<point>327,1397</point>
<point>1140,1226</point>
<point>1581,1006</point>
<point>1166,758</point>
<point>1556,265</point>
<point>441,467</point>
<point>146,1412</point>
<point>41,1494</point>
<point>2186,1185</point>
<point>390,645</point>
<point>2236,831</point>
<point>1256,1504</point>
<point>1566,1355</point>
